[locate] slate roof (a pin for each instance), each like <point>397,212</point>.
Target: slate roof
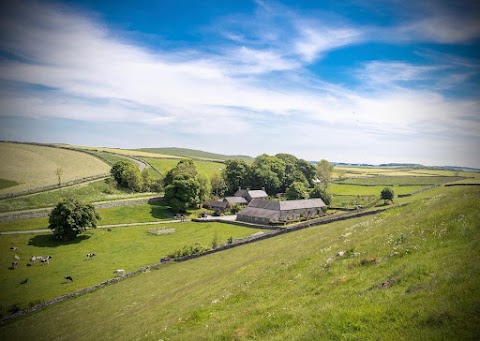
<point>301,204</point>
<point>216,204</point>
<point>259,212</point>
<point>286,205</point>
<point>236,200</point>
<point>257,193</point>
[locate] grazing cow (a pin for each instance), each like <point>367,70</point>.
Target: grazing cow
<point>32,260</point>
<point>69,278</point>
<point>46,260</point>
<point>90,255</point>
<point>40,258</point>
<point>24,281</point>
<point>119,272</point>
<point>16,257</point>
<point>14,265</point>
<point>14,248</point>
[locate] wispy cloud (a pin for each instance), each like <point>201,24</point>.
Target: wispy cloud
<point>256,84</point>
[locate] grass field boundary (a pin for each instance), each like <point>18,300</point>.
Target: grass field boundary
<point>164,261</point>
<point>56,186</point>
<point>44,212</point>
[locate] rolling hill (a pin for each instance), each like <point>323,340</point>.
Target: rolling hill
<point>192,153</point>
<point>410,273</point>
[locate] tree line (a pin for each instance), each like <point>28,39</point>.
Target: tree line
<point>185,188</point>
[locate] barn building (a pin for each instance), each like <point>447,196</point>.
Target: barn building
<point>262,211</point>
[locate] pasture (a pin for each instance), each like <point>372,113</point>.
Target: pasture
<point>410,273</point>
<point>33,166</point>
<point>401,180</point>
<point>126,248</point>
<point>95,191</point>
<point>339,189</point>
<point>207,168</point>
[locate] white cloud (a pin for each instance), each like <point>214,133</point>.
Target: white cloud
<point>95,77</point>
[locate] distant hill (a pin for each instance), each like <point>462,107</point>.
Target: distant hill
<point>192,153</point>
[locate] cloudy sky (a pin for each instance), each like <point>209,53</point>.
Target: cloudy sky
<point>350,81</point>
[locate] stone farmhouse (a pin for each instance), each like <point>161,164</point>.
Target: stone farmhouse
<point>241,198</point>
<point>262,211</point>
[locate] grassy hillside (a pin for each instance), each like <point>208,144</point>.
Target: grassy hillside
<point>411,273</point>
<point>192,153</point>
<point>33,166</point>
<point>87,192</point>
<point>206,168</point>
<point>121,248</point>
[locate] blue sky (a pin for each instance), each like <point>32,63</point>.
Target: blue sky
<point>348,81</point>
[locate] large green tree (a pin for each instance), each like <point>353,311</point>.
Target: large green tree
<point>319,191</point>
<point>182,192</point>
<point>324,172</point>
<point>70,218</point>
<point>235,175</point>
<point>127,175</point>
<point>297,190</point>
<point>218,185</point>
<point>267,172</point>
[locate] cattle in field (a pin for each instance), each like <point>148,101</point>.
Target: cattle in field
<point>24,281</point>
<point>119,272</point>
<point>32,260</point>
<point>14,248</point>
<point>90,255</point>
<point>14,265</point>
<point>16,257</point>
<point>69,278</point>
<point>46,260</point>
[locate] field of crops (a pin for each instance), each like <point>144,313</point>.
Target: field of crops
<point>125,152</point>
<point>114,249</point>
<point>206,168</point>
<point>36,166</point>
<point>411,273</point>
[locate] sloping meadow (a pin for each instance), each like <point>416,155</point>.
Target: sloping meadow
<point>410,273</point>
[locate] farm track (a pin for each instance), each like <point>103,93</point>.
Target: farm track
<point>46,230</point>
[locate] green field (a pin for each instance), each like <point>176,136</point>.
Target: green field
<point>134,214</point>
<point>7,183</point>
<point>24,224</point>
<point>206,168</point>
<point>121,248</point>
<point>87,192</point>
<point>35,166</point>
<point>401,180</point>
<point>413,273</point>
<point>195,154</point>
<point>339,189</point>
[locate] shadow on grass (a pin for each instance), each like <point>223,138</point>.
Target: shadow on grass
<point>160,211</point>
<point>48,240</point>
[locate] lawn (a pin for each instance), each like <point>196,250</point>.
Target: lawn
<point>86,192</point>
<point>412,273</point>
<point>24,224</point>
<point>128,248</point>
<point>35,166</point>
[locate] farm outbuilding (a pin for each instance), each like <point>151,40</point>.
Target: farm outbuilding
<point>268,212</point>
<point>249,194</point>
<point>241,201</point>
